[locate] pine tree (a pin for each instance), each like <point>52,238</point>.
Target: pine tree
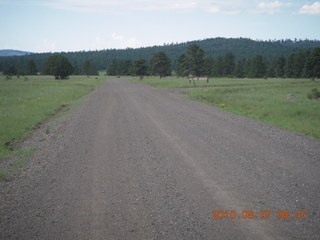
<point>208,66</point>
<point>125,67</point>
<point>280,67</point>
<point>312,65</point>
<point>182,66</point>
<point>89,68</point>
<point>140,67</point>
<point>218,67</point>
<point>228,64</point>
<point>113,68</point>
<point>257,68</point>
<point>160,65</point>
<point>195,56</point>
<point>31,68</point>
<point>239,70</point>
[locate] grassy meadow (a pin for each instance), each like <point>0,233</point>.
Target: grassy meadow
<point>280,102</point>
<point>25,102</point>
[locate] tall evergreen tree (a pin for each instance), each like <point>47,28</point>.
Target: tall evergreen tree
<point>140,67</point>
<point>257,67</point>
<point>239,70</point>
<point>31,68</point>
<point>89,68</point>
<point>208,66</point>
<point>125,67</point>
<point>280,67</point>
<point>299,63</point>
<point>113,68</point>
<point>289,66</point>
<point>195,56</point>
<point>160,65</point>
<point>218,67</point>
<point>295,64</point>
<point>312,64</point>
<point>228,64</point>
<point>270,70</point>
<point>182,66</point>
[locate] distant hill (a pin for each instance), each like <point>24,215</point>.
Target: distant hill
<point>213,47</point>
<point>10,52</point>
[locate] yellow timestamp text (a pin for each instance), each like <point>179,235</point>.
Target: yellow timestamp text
<point>264,214</point>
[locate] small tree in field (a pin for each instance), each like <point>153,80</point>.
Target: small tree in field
<point>59,66</point>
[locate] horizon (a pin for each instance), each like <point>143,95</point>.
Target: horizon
<point>164,44</point>
<point>41,26</point>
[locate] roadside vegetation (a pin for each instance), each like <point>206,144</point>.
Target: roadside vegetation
<point>27,101</point>
<point>288,103</point>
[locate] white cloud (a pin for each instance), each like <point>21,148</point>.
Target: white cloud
<point>213,9</point>
<point>117,37</point>
<point>123,6</point>
<point>312,9</point>
<point>270,7</point>
<point>165,5</point>
<point>123,42</point>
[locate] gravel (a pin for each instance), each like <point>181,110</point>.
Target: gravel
<point>134,162</point>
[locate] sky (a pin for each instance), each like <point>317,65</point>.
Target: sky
<point>81,25</point>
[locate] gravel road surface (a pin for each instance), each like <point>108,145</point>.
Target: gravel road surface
<point>134,162</point>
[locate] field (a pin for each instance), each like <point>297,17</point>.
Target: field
<point>25,102</point>
<point>280,102</point>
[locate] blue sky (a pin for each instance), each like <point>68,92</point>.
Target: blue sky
<point>75,25</point>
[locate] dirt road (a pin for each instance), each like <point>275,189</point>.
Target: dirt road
<point>134,162</point>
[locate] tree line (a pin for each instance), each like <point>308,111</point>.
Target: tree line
<point>160,65</point>
<point>242,48</point>
<point>194,62</point>
<point>56,65</point>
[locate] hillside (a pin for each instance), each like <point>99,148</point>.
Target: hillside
<point>10,52</point>
<point>214,47</point>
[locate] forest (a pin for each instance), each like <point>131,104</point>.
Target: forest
<point>234,57</point>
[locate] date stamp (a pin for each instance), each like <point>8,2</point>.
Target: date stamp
<point>264,214</point>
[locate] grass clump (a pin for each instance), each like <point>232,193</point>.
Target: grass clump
<point>3,175</point>
<point>21,157</point>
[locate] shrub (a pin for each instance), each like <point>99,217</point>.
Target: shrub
<point>315,94</point>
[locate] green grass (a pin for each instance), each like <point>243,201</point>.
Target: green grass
<point>175,82</point>
<point>262,99</point>
<point>168,82</point>
<point>269,104</point>
<point>21,157</point>
<point>3,175</point>
<point>24,104</point>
